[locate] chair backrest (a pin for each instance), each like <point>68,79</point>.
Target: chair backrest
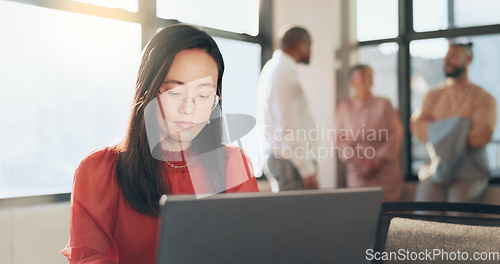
<point>402,227</point>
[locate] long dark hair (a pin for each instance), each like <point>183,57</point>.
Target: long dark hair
<point>139,174</point>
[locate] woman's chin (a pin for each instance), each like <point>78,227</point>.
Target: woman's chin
<point>183,136</point>
<point>174,144</point>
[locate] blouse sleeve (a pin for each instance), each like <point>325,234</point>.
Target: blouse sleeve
<point>93,210</point>
<point>240,175</point>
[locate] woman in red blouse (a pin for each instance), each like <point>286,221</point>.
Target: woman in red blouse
<point>173,146</point>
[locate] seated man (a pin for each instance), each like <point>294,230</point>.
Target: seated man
<point>460,99</point>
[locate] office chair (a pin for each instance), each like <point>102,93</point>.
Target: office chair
<point>401,228</point>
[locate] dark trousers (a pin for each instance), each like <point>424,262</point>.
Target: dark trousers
<point>285,173</point>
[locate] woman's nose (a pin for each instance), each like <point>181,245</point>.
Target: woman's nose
<point>187,106</point>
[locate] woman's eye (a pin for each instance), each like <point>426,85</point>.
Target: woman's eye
<point>203,96</point>
<point>174,93</point>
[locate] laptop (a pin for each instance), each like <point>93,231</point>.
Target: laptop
<point>317,226</point>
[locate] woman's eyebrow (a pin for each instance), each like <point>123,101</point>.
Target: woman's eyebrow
<point>201,85</point>
<point>209,84</point>
<point>174,82</point>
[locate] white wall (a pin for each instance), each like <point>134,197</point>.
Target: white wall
<point>34,234</point>
<point>318,77</point>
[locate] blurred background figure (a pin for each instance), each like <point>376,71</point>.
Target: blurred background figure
<point>458,116</point>
<point>369,134</point>
<point>285,114</point>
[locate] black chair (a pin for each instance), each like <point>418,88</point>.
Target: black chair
<point>403,226</point>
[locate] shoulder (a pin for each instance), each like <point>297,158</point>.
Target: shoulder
<point>233,152</point>
<point>240,174</point>
<point>96,169</point>
<point>481,94</point>
<point>100,154</point>
<point>433,95</point>
<point>384,103</point>
<point>438,91</point>
<point>97,158</point>
<point>382,100</point>
<point>238,160</point>
<point>280,70</point>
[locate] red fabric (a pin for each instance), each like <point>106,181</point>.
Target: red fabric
<point>105,229</point>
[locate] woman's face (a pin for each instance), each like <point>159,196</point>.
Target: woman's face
<point>187,97</point>
<point>362,81</point>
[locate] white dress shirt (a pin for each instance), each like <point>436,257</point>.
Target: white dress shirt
<point>284,118</point>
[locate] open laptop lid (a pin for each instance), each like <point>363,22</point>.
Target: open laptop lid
<point>321,226</point>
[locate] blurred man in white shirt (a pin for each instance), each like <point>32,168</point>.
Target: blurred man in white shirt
<point>284,117</point>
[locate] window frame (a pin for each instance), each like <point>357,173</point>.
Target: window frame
<point>147,18</point>
<point>406,34</point>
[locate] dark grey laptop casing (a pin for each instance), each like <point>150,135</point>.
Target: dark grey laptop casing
<point>322,226</point>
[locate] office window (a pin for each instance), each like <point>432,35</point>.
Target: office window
<point>236,16</point>
<point>242,69</point>
<point>429,15</point>
<point>383,59</point>
<point>68,79</point>
<point>376,19</point>
<point>476,13</point>
<point>426,67</point>
<point>432,15</point>
<point>129,5</point>
<point>67,82</point>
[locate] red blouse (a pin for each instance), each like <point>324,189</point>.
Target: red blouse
<point>105,229</point>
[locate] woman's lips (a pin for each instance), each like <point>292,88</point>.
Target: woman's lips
<point>185,124</point>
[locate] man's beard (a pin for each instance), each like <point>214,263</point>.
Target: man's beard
<point>305,60</point>
<point>457,71</point>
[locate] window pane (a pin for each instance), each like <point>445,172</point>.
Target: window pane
<point>476,13</point>
<point>426,68</point>
<point>129,5</point>
<point>427,74</point>
<point>376,19</point>
<point>429,15</point>
<point>383,59</point>
<point>240,16</point>
<point>66,83</point>
<point>242,68</point>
